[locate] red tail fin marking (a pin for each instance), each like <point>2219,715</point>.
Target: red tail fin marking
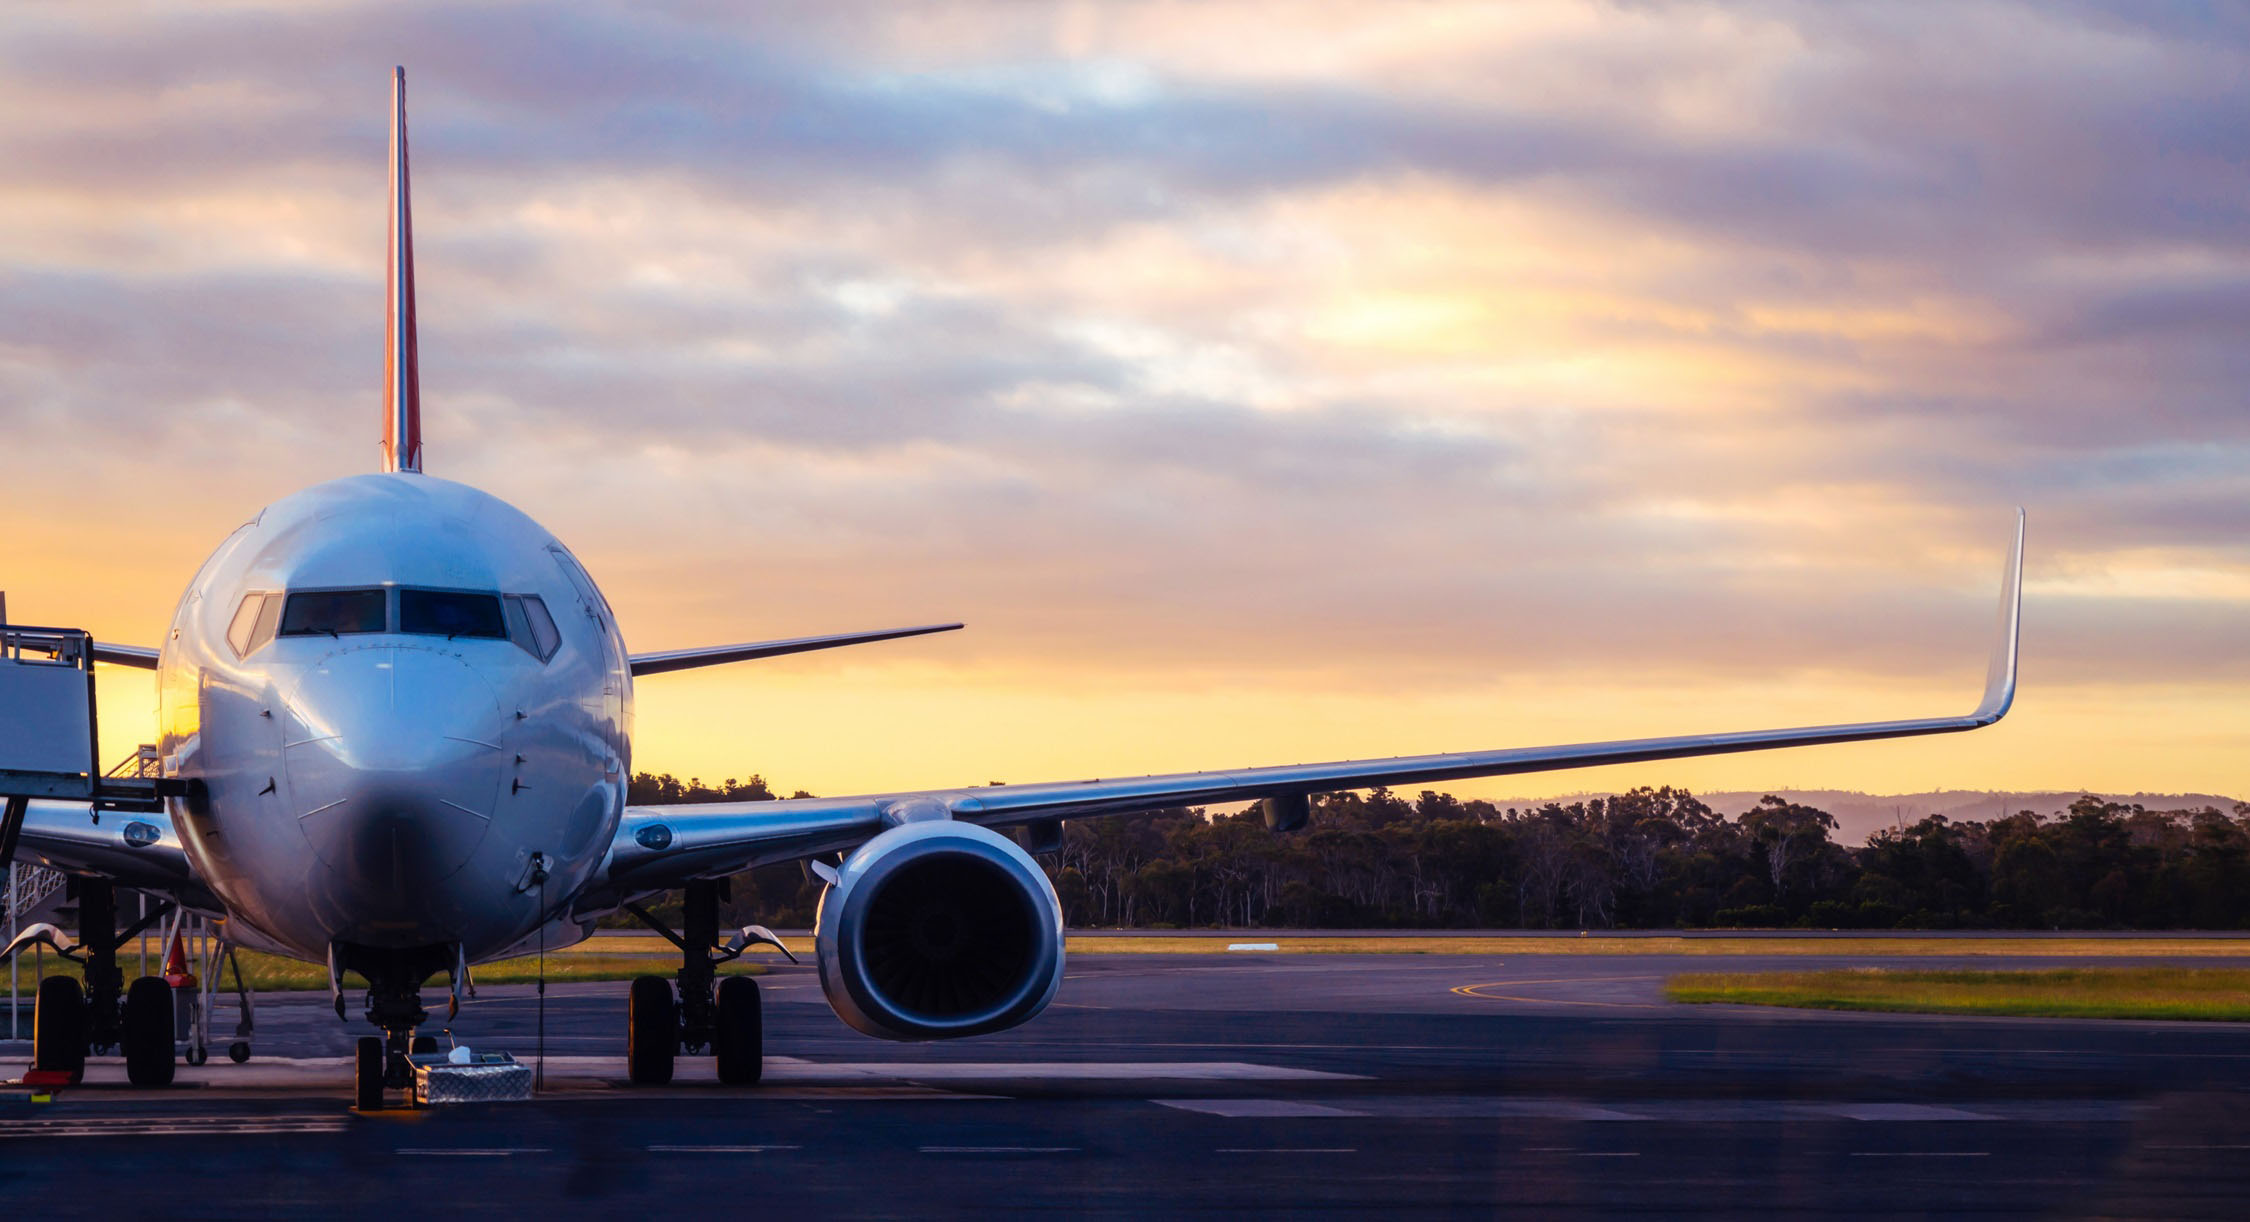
<point>402,373</point>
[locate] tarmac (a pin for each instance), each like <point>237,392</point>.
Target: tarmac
<point>1164,1084</point>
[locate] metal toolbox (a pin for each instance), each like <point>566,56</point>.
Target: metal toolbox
<point>486,1077</point>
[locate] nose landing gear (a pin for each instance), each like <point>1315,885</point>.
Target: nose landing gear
<point>394,1006</point>
<point>705,1013</point>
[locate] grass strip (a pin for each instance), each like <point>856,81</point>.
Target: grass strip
<point>274,974</point>
<point>620,958</point>
<point>2201,994</point>
<point>1718,945</point>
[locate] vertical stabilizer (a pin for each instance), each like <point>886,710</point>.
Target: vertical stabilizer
<point>402,372</point>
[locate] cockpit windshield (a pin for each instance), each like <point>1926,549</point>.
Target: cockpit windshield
<point>335,612</point>
<point>450,613</point>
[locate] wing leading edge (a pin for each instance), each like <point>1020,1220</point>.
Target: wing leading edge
<point>138,656</point>
<point>138,850</point>
<point>714,655</point>
<point>663,846</point>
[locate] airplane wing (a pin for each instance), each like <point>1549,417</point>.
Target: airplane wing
<point>664,846</point>
<point>713,655</point>
<point>126,655</point>
<point>133,849</point>
<point>123,655</point>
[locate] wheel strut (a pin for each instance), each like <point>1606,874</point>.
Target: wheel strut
<point>105,982</point>
<point>699,971</point>
<point>700,957</point>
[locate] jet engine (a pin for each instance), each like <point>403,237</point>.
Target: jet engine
<point>939,929</point>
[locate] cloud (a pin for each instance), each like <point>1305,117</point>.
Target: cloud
<point>1356,350</point>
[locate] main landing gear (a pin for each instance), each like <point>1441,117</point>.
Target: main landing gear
<point>705,1013</point>
<point>70,1020</point>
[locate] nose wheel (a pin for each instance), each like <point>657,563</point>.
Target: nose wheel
<point>367,1074</point>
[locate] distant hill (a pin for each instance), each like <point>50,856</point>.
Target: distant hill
<point>1860,815</point>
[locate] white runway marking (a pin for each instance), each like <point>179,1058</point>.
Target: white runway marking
<point>1286,1150</point>
<point>289,1073</point>
<point>1449,1107</point>
<point>1656,1111</point>
<point>497,1152</point>
<point>718,1149</point>
<point>169,1126</point>
<point>791,1069</point>
<point>1901,1111</point>
<point>1256,1107</point>
<point>999,1149</point>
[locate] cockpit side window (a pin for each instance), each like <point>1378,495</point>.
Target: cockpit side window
<point>245,622</point>
<point>531,627</point>
<point>269,618</point>
<point>579,578</point>
<point>450,613</point>
<point>335,612</point>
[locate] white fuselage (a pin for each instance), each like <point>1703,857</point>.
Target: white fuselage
<point>388,786</point>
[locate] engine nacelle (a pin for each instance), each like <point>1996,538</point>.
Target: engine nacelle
<point>939,929</point>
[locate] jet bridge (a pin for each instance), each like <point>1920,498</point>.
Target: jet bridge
<point>47,726</point>
<point>50,733</point>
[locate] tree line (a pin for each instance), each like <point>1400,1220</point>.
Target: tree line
<point>1648,859</point>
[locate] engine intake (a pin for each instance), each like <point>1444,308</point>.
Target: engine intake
<point>939,929</point>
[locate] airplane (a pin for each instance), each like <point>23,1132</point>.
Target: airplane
<point>395,720</point>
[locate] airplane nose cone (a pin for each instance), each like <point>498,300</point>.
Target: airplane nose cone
<point>395,758</point>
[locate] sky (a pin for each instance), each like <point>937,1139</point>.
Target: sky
<point>1261,383</point>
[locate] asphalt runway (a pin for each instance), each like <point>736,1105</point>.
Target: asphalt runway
<point>1159,1084</point>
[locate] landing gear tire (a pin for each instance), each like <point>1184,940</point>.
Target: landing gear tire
<point>58,1027</point>
<point>652,1031</point>
<point>147,1033</point>
<point>197,1056</point>
<point>367,1082</point>
<point>238,1052</point>
<point>424,1043</point>
<point>741,1034</point>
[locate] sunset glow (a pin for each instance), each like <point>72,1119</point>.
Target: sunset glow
<point>1261,383</point>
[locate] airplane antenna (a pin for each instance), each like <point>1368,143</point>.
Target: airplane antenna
<point>539,876</point>
<point>402,370</point>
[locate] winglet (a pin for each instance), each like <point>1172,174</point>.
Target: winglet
<point>402,371</point>
<point>2000,676</point>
